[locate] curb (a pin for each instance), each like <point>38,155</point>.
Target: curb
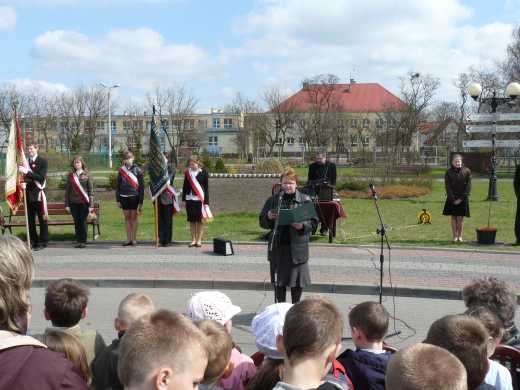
<point>405,292</point>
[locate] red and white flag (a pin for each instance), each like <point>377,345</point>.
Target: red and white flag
<point>15,157</point>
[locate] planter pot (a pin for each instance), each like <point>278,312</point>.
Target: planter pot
<point>486,235</point>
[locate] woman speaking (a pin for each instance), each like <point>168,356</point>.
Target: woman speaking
<point>289,253</point>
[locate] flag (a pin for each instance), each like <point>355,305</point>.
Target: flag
<point>14,158</point>
<point>157,168</point>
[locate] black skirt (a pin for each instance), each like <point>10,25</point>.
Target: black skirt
<point>459,210</point>
<point>129,202</point>
<point>194,210</point>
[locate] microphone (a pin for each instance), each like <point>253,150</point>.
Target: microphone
<point>373,189</point>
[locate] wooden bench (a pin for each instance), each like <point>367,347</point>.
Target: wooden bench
<point>55,210</point>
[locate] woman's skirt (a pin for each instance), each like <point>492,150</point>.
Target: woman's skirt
<point>194,210</point>
<point>288,273</point>
<point>456,210</point>
<point>129,202</point>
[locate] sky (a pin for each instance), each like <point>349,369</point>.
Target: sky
<point>218,48</point>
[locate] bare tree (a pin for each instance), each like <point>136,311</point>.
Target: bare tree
<point>321,113</point>
<point>418,92</point>
<point>72,108</point>
<point>282,116</point>
<point>244,107</point>
<point>510,67</point>
<point>133,128</point>
<point>175,104</point>
<point>96,108</point>
<point>43,117</point>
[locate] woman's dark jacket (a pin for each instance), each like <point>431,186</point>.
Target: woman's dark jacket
<point>458,183</point>
<point>202,178</point>
<point>72,197</point>
<point>299,239</point>
<point>124,188</point>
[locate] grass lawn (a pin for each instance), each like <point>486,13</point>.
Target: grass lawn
<point>358,228</point>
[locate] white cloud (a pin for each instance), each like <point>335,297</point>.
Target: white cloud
<point>375,41</point>
<point>41,86</point>
<point>84,3</point>
<point>137,58</point>
<point>7,18</point>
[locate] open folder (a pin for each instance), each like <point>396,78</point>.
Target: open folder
<point>299,214</point>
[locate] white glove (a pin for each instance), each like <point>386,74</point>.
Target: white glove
<point>68,209</point>
<point>23,169</point>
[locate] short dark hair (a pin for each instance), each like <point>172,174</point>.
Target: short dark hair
<point>465,337</point>
<point>371,318</point>
<point>425,367</point>
<point>310,327</point>
<point>65,302</point>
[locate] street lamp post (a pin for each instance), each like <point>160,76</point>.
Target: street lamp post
<point>511,92</point>
<point>109,89</point>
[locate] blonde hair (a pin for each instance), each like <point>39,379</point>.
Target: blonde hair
<point>220,345</point>
<point>16,275</point>
<point>133,307</point>
<point>71,346</point>
<point>290,174</point>
<point>163,338</point>
<point>425,367</point>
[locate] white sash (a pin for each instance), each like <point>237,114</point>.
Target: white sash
<point>129,176</point>
<point>175,196</point>
<point>41,194</point>
<point>78,188</point>
<point>207,215</point>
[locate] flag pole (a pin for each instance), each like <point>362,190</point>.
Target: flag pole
<point>26,217</point>
<point>156,214</point>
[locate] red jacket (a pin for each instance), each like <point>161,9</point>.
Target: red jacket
<point>25,364</point>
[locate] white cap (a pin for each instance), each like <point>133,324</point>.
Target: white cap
<point>211,305</point>
<point>267,326</point>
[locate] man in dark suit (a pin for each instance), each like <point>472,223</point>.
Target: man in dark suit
<point>516,184</point>
<point>321,171</point>
<point>35,178</point>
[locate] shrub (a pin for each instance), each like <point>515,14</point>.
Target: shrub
<point>352,184</point>
<point>208,163</point>
<point>269,166</point>
<point>219,166</point>
<point>112,181</point>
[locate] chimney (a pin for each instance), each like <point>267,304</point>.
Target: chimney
<point>305,85</point>
<point>352,81</point>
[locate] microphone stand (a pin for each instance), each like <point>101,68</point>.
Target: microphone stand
<point>382,232</point>
<point>271,244</point>
<point>384,238</point>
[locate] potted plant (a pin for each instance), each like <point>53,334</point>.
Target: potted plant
<point>486,235</point>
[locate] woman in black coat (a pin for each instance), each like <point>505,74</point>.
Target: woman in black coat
<point>458,186</point>
<point>290,250</point>
<point>195,195</point>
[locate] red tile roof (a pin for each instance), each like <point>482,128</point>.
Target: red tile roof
<point>355,97</point>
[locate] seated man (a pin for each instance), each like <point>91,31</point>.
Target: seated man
<point>164,350</point>
<point>321,171</point>
<point>66,303</point>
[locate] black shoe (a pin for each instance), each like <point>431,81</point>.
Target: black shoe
<point>43,245</point>
<point>37,248</point>
<point>129,243</point>
<point>516,243</point>
<point>80,245</point>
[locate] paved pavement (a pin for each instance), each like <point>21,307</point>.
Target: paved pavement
<point>334,268</point>
<point>418,313</point>
<point>427,282</point>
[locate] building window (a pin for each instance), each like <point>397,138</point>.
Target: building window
<point>114,127</point>
<point>189,124</point>
<point>353,123</point>
<point>228,123</point>
<point>302,124</point>
<point>340,124</point>
<point>216,123</point>
<point>354,140</point>
<point>279,141</point>
<point>290,141</point>
<point>213,140</point>
<point>366,123</point>
<point>177,124</point>
<point>202,124</point>
<point>300,140</point>
<point>366,140</point>
<point>379,123</point>
<point>165,125</point>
